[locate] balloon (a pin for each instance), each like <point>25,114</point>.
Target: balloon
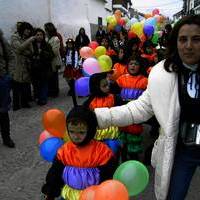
<point>134,175</point>
<point>54,122</point>
<point>137,28</point>
<point>155,12</point>
<point>105,63</point>
<point>43,136</point>
<point>151,21</point>
<point>111,190</point>
<point>82,86</point>
<point>86,52</point>
<point>118,28</point>
<point>155,38</point>
<point>131,35</point>
<point>133,21</point>
<point>49,148</point>
<point>100,50</point>
<point>122,22</point>
<point>88,193</point>
<point>148,15</point>
<point>148,30</point>
<point>112,21</point>
<point>91,66</point>
<point>93,45</point>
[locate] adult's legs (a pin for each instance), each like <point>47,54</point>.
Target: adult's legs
<point>185,163</point>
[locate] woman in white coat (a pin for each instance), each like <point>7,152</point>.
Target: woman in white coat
<point>173,96</point>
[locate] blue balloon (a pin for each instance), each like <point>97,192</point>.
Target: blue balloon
<point>148,30</point>
<point>49,147</point>
<point>82,86</point>
<point>151,22</point>
<point>114,145</point>
<point>118,28</point>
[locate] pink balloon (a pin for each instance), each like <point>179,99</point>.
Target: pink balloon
<point>155,12</point>
<point>91,66</point>
<point>43,136</point>
<point>93,45</point>
<point>86,52</point>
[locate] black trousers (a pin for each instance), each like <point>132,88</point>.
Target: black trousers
<point>5,126</point>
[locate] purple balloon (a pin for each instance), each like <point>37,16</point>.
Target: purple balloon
<point>82,86</point>
<point>148,30</point>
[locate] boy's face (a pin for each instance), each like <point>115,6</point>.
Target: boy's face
<point>77,131</point>
<point>104,86</point>
<point>133,67</point>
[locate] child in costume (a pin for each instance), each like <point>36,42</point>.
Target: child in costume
<point>132,86</point>
<point>120,67</point>
<point>72,69</point>
<point>100,96</point>
<point>80,163</point>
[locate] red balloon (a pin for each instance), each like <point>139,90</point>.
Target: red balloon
<point>121,22</point>
<point>93,45</point>
<point>111,190</point>
<point>131,35</point>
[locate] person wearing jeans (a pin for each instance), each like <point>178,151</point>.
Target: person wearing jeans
<point>5,86</point>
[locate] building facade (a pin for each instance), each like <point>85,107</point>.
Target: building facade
<point>67,15</point>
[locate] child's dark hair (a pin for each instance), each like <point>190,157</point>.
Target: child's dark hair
<point>143,63</point>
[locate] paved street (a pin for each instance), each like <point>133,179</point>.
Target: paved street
<point>22,170</point>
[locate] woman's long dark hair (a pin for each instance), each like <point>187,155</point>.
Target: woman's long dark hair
<point>173,61</point>
<point>50,29</point>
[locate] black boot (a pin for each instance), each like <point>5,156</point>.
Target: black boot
<point>5,130</point>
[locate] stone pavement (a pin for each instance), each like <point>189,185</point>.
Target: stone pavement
<point>22,170</point>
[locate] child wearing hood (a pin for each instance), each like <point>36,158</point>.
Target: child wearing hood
<point>101,96</point>
<point>80,163</point>
<point>132,86</point>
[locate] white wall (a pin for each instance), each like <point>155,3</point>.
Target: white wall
<point>34,11</point>
<point>67,15</point>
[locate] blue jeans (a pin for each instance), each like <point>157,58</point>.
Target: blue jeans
<point>186,161</point>
<point>5,99</point>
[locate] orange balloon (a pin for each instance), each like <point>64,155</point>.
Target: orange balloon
<point>54,122</point>
<point>88,193</point>
<point>111,190</point>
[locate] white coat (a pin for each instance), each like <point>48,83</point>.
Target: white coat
<point>160,98</point>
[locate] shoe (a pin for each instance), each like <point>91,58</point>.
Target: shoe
<point>9,143</point>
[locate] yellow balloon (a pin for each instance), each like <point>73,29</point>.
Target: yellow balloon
<point>99,51</point>
<point>105,63</point>
<point>137,28</point>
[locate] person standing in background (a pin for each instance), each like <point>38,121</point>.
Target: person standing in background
<point>21,43</point>
<point>6,65</point>
<point>56,63</point>
<point>81,39</point>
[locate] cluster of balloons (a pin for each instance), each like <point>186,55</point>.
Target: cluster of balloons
<point>146,28</point>
<point>130,179</point>
<point>96,61</point>
<point>52,138</point>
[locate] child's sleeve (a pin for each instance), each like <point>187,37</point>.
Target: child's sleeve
<point>54,182</point>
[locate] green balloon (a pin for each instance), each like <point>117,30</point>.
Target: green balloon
<point>155,38</point>
<point>105,63</point>
<point>134,175</point>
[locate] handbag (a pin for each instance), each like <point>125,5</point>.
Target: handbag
<point>190,133</point>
